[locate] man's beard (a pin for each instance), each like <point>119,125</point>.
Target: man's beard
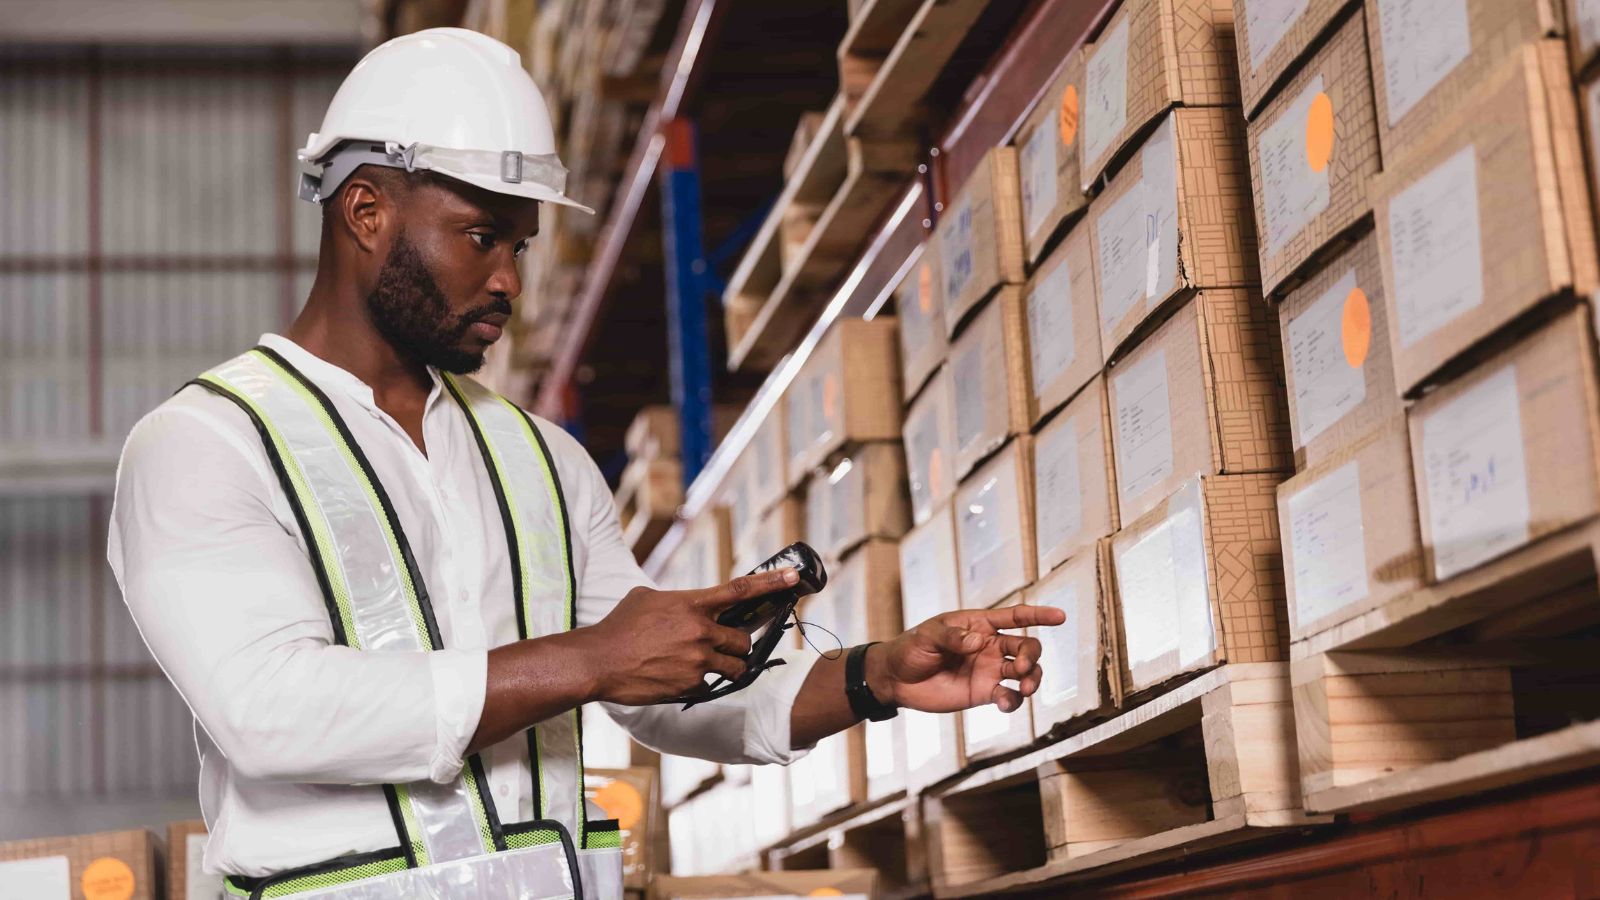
<point>413,315</point>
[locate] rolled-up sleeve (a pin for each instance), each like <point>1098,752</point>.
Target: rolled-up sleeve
<point>227,602</point>
<point>750,726</point>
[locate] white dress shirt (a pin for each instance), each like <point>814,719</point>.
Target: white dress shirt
<point>292,729</point>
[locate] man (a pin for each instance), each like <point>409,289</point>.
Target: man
<point>386,593</point>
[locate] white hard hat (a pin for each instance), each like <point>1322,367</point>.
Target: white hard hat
<point>445,100</point>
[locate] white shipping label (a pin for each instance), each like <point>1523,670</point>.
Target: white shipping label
<point>1266,22</point>
<point>1293,191</point>
<point>1329,545</point>
<point>922,738</point>
<point>1050,331</point>
<point>1166,606</point>
<point>1326,385</point>
<point>1588,25</point>
<point>922,444</point>
<point>200,884</point>
<point>1477,475</point>
<point>45,878</point>
<point>796,406</point>
<point>985,723</point>
<point>1137,236</point>
<point>880,749</point>
<point>1436,245</point>
<point>1423,40</point>
<point>1038,164</point>
<point>1159,183</point>
<point>847,486</point>
<point>955,249</point>
<point>926,586</point>
<point>1059,646</point>
<point>988,524</point>
<point>1059,511</point>
<point>1105,94</point>
<point>1144,425</point>
<point>970,373</point>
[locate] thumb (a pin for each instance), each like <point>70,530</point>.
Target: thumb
<point>957,640</point>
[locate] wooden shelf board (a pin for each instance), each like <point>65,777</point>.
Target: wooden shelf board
<point>893,103</point>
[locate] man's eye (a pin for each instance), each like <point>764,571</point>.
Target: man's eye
<point>483,240</point>
<point>519,248</point>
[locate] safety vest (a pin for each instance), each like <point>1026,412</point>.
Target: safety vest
<point>451,841</point>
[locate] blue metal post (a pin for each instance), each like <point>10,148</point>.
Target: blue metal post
<point>689,351</point>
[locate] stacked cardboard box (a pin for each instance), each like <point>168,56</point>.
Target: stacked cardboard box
<point>111,864</point>
<point>980,237</point>
<point>632,797</point>
<point>929,586</point>
<point>1047,159</point>
<point>186,880</point>
<point>769,885</point>
<point>650,489</point>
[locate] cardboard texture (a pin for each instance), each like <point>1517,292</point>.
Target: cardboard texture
<point>1447,49</point>
<point>980,237</point>
<point>1202,395</point>
<point>653,433</point>
<point>1177,217</point>
<point>832,776</point>
<point>1101,802</point>
<point>118,864</point>
<point>1335,333</point>
<point>631,797</point>
<point>862,495</point>
<point>1047,159</point>
<point>1153,55</point>
<point>1589,104</point>
<point>767,458</point>
<point>1583,33</point>
<point>848,391</point>
<point>1486,216</point>
<point>930,445</point>
<point>986,730</point>
<point>705,556</point>
<point>886,757</point>
<point>1351,540</point>
<point>1199,581</point>
<point>1507,453</point>
<point>736,495</point>
<point>929,586</point>
<point>861,602</point>
<point>1313,153</point>
<point>777,528</point>
<point>1075,486</point>
<point>989,381</point>
<point>1063,327</point>
<point>919,305</point>
<point>994,527</point>
<point>186,880</point>
<point>845,883</point>
<point>1077,655</point>
<point>1271,36</point>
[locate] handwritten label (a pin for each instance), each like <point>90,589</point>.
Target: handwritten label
<point>1476,473</point>
<point>1051,342</point>
<point>1326,386</point>
<point>988,527</point>
<point>923,442</point>
<point>1158,181</point>
<point>1423,40</point>
<point>45,878</point>
<point>1038,164</point>
<point>1436,245</point>
<point>927,572</point>
<point>955,249</point>
<point>1329,545</point>
<point>1059,511</point>
<point>1292,191</point>
<point>1144,426</point>
<point>1105,95</point>
<point>1137,235</point>
<point>915,310</point>
<point>967,370</point>
<point>1161,579</point>
<point>1266,22</point>
<point>1059,644</point>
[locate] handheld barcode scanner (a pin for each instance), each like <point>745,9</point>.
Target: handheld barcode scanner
<point>765,619</point>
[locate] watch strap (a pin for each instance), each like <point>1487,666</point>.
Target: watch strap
<point>862,701</point>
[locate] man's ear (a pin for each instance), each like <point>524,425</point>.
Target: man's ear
<point>367,210</point>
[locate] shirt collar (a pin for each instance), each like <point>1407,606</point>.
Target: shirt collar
<point>329,376</point>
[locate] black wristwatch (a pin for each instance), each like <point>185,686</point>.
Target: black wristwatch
<point>862,701</point>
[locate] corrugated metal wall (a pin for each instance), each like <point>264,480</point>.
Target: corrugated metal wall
<point>145,234</point>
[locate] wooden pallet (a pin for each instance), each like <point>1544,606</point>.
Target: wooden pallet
<point>648,496</point>
<point>884,835</point>
<point>1209,764</point>
<point>873,35</point>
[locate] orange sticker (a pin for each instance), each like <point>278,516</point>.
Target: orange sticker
<point>622,802</point>
<point>925,289</point>
<point>1319,132</point>
<point>1356,328</point>
<point>107,878</point>
<point>830,396</point>
<point>936,472</point>
<point>1069,115</point>
<point>826,892</point>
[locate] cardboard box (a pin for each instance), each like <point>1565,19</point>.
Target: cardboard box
<point>860,497</point>
<point>186,848</point>
<point>109,864</point>
<point>980,237</point>
<point>1272,36</point>
<point>1447,49</point>
<point>886,757</point>
<point>1583,32</point>
<point>736,495</point>
<point>631,797</point>
<point>1589,101</point>
<point>1074,496</point>
<point>861,602</point>
<point>1335,332</point>
<point>994,527</point>
<point>1313,151</point>
<point>919,305</point>
<point>681,776</point>
<point>929,586</point>
<point>1200,581</point>
<point>1486,217</point>
<point>766,459</point>
<point>1177,217</point>
<point>830,777</point>
<point>1351,539</point>
<point>930,444</point>
<point>704,558</point>
<point>1202,395</point>
<point>848,391</point>
<point>769,796</point>
<point>1047,159</point>
<point>1063,326</point>
<point>769,885</point>
<point>777,528</point>
<point>1151,56</point>
<point>653,433</point>
<point>989,381</point>
<point>1506,453</point>
<point>987,731</point>
<point>1078,656</point>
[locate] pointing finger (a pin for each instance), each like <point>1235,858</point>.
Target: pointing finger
<point>1021,616</point>
<point>745,587</point>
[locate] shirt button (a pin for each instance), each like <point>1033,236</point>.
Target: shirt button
<point>504,791</point>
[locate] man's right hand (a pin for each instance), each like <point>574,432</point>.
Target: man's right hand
<point>657,645</point>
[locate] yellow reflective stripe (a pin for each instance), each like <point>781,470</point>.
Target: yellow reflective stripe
<point>321,537</point>
<point>419,850</point>
<point>478,811</point>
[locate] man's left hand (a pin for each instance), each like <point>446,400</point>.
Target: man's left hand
<point>957,660</point>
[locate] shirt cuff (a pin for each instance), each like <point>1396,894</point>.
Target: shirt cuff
<point>766,724</point>
<point>460,682</point>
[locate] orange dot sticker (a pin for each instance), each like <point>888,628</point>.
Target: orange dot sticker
<point>107,878</point>
<point>826,892</point>
<point>925,289</point>
<point>936,472</point>
<point>830,396</point>
<point>1319,132</point>
<point>622,802</point>
<point>1068,117</point>
<point>1356,328</point>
